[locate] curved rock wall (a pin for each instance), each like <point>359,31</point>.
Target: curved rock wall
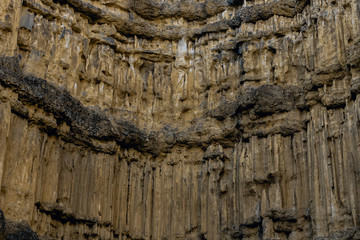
<point>151,119</point>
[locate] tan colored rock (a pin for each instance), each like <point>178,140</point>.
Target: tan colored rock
<point>151,119</point>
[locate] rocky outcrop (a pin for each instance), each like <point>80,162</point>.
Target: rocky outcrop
<point>152,119</point>
<point>15,231</point>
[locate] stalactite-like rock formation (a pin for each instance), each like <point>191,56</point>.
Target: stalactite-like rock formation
<point>149,119</point>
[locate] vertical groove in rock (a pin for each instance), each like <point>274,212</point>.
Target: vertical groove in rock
<point>178,119</point>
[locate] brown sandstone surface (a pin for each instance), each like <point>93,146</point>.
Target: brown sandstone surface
<point>194,119</point>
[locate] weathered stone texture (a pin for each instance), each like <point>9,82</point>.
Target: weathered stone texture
<point>14,231</point>
<point>149,119</point>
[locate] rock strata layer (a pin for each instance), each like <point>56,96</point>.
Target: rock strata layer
<point>15,231</point>
<point>149,119</point>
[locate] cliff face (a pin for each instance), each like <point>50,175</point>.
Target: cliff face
<point>149,119</point>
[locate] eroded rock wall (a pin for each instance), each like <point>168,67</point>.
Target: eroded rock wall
<point>181,119</point>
